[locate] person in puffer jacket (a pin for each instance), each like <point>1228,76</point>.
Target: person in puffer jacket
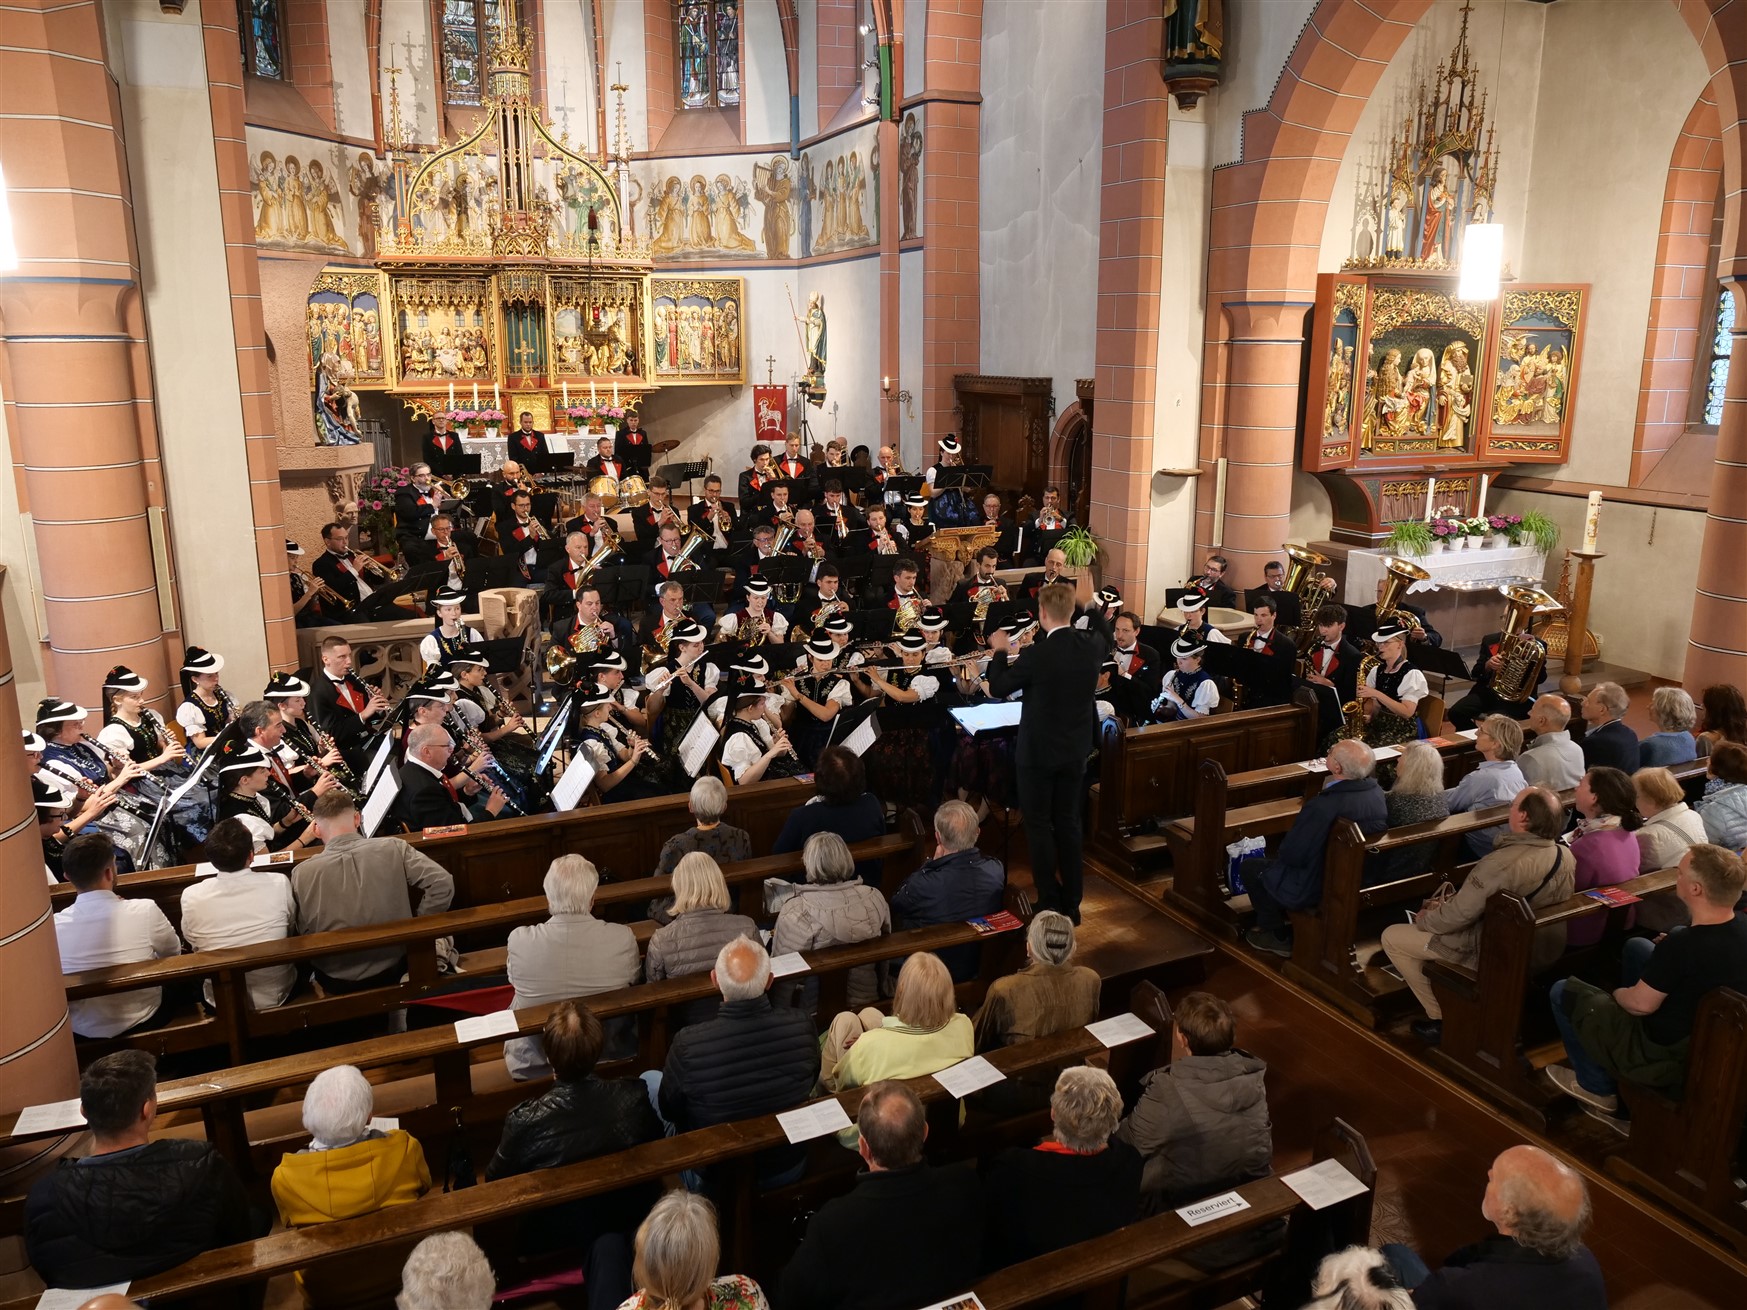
<point>832,908</point>
<point>348,1168</point>
<point>132,1207</point>
<point>1201,1123</point>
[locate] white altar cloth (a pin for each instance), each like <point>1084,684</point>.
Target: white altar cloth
<point>1460,570</point>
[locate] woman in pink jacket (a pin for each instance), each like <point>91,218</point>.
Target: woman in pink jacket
<point>1606,850</point>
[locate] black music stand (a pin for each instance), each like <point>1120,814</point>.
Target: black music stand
<point>784,571</point>
<point>624,589</point>
<point>505,654</point>
<point>683,471</point>
<point>859,576</point>
<point>800,491</point>
<point>1160,639</point>
<point>964,477</point>
<point>426,577</point>
<point>485,571</point>
<point>873,625</point>
<point>907,485</point>
<point>1267,677</point>
<point>856,482</point>
<point>701,585</point>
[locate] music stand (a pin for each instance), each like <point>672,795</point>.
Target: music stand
<point>683,471</point>
<point>701,585</point>
<point>785,571</point>
<point>906,486</point>
<point>1270,676</point>
<point>845,723</point>
<point>426,577</point>
<point>873,625</point>
<point>487,571</point>
<point>858,576</point>
<point>624,589</point>
<point>855,481</point>
<point>964,477</point>
<point>801,491</point>
<point>1160,639</point>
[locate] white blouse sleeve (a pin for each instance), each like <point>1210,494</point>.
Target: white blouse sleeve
<point>841,693</point>
<point>429,651</point>
<point>740,754</point>
<point>1414,686</point>
<point>188,715</point>
<point>1206,698</point>
<point>925,687</point>
<point>117,738</point>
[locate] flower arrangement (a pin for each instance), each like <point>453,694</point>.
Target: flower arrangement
<point>1078,546</point>
<point>581,414</point>
<point>476,417</point>
<point>375,503</point>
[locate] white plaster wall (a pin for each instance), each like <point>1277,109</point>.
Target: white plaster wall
<point>568,49</point>
<point>622,20</point>
<point>406,45</point>
<point>1040,162</point>
<point>764,81</point>
<point>910,359</point>
<point>1260,35</point>
<point>915,47</point>
<point>1614,95</point>
<point>349,53</point>
<point>168,121</point>
<point>851,288</point>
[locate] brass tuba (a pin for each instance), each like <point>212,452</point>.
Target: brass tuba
<point>1402,575</point>
<point>1523,656</point>
<point>1304,580</point>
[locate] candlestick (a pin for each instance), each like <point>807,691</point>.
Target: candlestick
<point>476,395</point>
<point>451,396</point>
<point>1592,521</point>
<point>591,395</point>
<point>1431,489</point>
<point>496,397</point>
<point>1484,481</point>
<point>566,395</point>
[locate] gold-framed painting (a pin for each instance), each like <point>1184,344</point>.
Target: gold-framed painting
<point>343,318</point>
<point>1531,379</point>
<point>697,330</point>
<point>445,330</point>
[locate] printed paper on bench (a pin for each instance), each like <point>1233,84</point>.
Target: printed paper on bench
<point>1322,1185</point>
<point>497,1024</point>
<point>1120,1029</point>
<point>1205,1212</point>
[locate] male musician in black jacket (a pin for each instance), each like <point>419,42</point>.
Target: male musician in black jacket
<point>1057,727</point>
<point>1482,699</point>
<point>1333,668</point>
<point>648,519</point>
<point>1288,610</point>
<point>754,480</point>
<point>428,799</point>
<point>635,446</point>
<point>519,533</point>
<point>603,463</point>
<point>441,544</point>
<point>527,444</point>
<point>343,706</point>
<point>415,506</point>
<point>342,570</point>
<point>443,451</point>
<point>1213,585</point>
<point>710,515</point>
<point>1139,672</point>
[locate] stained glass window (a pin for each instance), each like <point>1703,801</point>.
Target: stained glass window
<point>258,32</point>
<point>468,26</point>
<point>709,53</point>
<point>1722,345</point>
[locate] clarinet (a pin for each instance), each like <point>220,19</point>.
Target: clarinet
<point>478,745</point>
<point>129,801</point>
<point>508,803</point>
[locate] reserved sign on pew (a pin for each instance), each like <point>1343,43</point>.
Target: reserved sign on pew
<point>1205,1212</point>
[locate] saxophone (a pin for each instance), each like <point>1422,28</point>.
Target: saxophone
<point>1353,712</point>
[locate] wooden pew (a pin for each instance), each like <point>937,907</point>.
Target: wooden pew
<point>1684,1150</point>
<point>507,858</point>
<point>232,1022</point>
<point>1484,1007</point>
<point>1149,774</point>
<point>252,1263</point>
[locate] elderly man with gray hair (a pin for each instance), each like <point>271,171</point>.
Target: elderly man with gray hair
<point>1607,742</point>
<point>1552,760</point>
<point>1537,1260</point>
<point>929,1219</point>
<point>1078,1183</point>
<point>446,1271</point>
<point>572,954</point>
<point>959,883</point>
<point>1292,880</point>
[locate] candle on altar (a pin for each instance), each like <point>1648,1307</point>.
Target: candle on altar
<point>566,395</point>
<point>451,395</point>
<point>1431,489</point>
<point>496,397</point>
<point>476,395</point>
<point>1592,521</point>
<point>615,394</point>
<point>1485,481</point>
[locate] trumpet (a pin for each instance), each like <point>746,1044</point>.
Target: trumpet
<point>842,526</point>
<point>373,565</point>
<point>719,516</point>
<point>322,591</point>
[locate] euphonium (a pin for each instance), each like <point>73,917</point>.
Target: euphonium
<point>1304,581</point>
<point>1402,575</point>
<point>609,545</point>
<point>784,535</point>
<point>1522,655</point>
<point>692,545</point>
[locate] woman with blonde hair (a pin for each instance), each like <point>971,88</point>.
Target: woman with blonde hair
<point>675,1264</point>
<point>924,1033</point>
<point>700,926</point>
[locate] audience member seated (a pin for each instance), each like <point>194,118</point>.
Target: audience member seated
<point>1604,842</point>
<point>722,842</point>
<point>923,1034</point>
<point>842,804</point>
<point>1201,1124</point>
<point>1552,760</point>
<point>1670,824</point>
<point>241,906</point>
<point>1527,861</point>
<point>1416,797</point>
<point>1725,717</point>
<point>1608,742</point>
<point>572,954</point>
<point>100,929</point>
<point>1292,880</point>
<point>832,908</point>
<point>1642,1030</point>
<point>922,1225</point>
<point>1496,780</point>
<point>133,1206</point>
<point>1049,995</point>
<point>580,1117</point>
<point>698,927</point>
<point>1673,713</point>
<point>1078,1183</point>
<point>678,1249</point>
<point>356,881</point>
<point>751,1059</point>
<point>1540,1208</point>
<point>1723,809</point>
<point>958,884</point>
<point>446,1271</point>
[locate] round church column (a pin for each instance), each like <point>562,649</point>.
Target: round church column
<point>1717,643</point>
<point>36,1044</point>
<point>1255,425</point>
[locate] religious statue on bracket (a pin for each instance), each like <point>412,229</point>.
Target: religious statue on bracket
<point>909,176</point>
<point>812,329</point>
<point>1194,48</point>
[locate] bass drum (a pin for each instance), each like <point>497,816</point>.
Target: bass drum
<point>607,489</point>
<point>633,491</point>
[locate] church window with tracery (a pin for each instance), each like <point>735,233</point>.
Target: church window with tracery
<point>468,26</point>
<point>259,30</point>
<point>709,53</point>
<point>1718,356</point>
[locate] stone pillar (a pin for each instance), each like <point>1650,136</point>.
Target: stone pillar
<point>1717,643</point>
<point>80,408</point>
<point>36,1043</point>
<point>1254,416</point>
<point>1130,259</point>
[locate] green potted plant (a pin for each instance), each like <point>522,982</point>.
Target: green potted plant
<point>1080,548</point>
<point>1536,527</point>
<point>1410,537</point>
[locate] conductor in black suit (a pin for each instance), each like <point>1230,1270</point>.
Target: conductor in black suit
<point>428,799</point>
<point>1059,676</point>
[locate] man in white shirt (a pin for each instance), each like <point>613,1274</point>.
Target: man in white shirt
<point>100,929</point>
<point>1552,760</point>
<point>235,905</point>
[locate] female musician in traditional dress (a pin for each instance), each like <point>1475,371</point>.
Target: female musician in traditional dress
<point>133,732</point>
<point>901,764</point>
<point>428,702</point>
<point>206,707</point>
<point>62,810</point>
<point>490,715</point>
<point>73,760</point>
<point>306,743</point>
<point>754,623</point>
<point>1188,691</point>
<point>678,689</point>
<point>1392,691</point>
<point>615,758</point>
<point>271,815</point>
<point>932,625</point>
<point>751,751</point>
<point>448,635</point>
<point>819,696</point>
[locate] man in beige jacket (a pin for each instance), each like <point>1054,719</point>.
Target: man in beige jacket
<point>1527,861</point>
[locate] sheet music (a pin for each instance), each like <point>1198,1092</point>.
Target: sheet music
<point>781,966</point>
<point>71,1298</point>
<point>988,717</point>
<point>694,750</point>
<point>1120,1029</point>
<point>500,1023</point>
<point>49,1117</point>
<point>557,444</point>
<point>379,801</point>
<point>1324,1184</point>
<point>967,1076</point>
<point>866,733</point>
<point>573,782</point>
<point>380,761</point>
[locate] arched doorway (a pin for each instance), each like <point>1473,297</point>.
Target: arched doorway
<point>1070,464</point>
